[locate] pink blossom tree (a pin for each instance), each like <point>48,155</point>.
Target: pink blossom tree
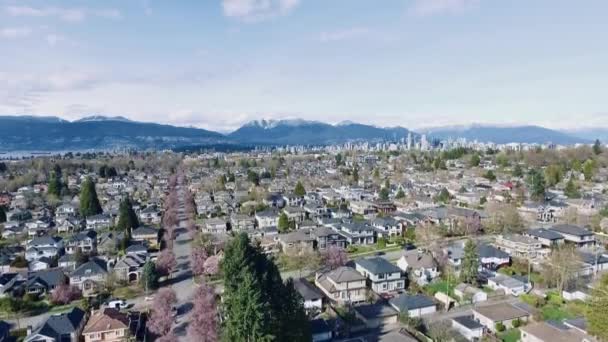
<point>203,325</point>
<point>212,265</point>
<point>198,258</point>
<point>64,294</point>
<point>335,257</point>
<point>161,318</point>
<point>169,337</point>
<point>166,263</point>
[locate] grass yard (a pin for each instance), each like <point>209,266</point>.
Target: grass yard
<point>129,292</point>
<point>511,335</point>
<point>441,286</point>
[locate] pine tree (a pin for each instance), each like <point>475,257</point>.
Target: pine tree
<point>149,277</point>
<point>295,325</point>
<point>536,182</point>
<point>283,225</point>
<point>571,189</point>
<point>299,190</point>
<point>127,219</point>
<point>470,263</point>
<point>597,147</point>
<point>400,194</point>
<point>2,215</point>
<point>54,185</point>
<point>89,203</point>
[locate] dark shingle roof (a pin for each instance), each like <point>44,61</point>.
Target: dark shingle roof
<point>307,290</point>
<point>571,230</point>
<point>377,310</point>
<point>62,324</point>
<point>378,265</point>
<point>408,302</point>
<point>488,251</point>
<point>468,322</point>
<point>94,266</point>
<point>544,234</point>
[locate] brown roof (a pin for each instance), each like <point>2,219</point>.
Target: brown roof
<point>547,332</point>
<point>501,312</point>
<point>106,319</point>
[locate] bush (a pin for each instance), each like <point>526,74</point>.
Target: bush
<point>500,327</point>
<point>516,323</point>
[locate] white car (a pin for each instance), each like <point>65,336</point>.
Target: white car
<point>117,304</point>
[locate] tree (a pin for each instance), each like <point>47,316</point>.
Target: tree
<point>470,263</point>
<point>89,203</point>
<point>283,225</point>
<point>489,175</point>
<point>504,219</point>
<point>3,167</point>
<point>384,194</point>
<point>64,294</point>
<point>596,311</point>
<point>553,174</point>
<point>536,182</point>
<point>589,169</point>
<point>198,257</point>
<point>203,325</point>
<point>149,277</point>
<point>253,177</point>
<point>571,189</point>
<point>161,318</point>
<point>299,190</point>
<point>597,147</point>
<point>563,266</point>
<point>296,326</point>
<point>54,185</point>
<point>443,196</point>
<point>475,160</point>
<point>517,171</point>
<point>127,219</point>
<point>356,175</point>
<point>2,214</point>
<point>166,263</point>
<point>335,257</point>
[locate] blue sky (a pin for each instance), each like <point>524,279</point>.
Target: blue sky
<point>219,63</point>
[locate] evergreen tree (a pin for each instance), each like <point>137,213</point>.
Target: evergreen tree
<point>475,160</point>
<point>470,263</point>
<point>536,182</point>
<point>295,325</point>
<point>103,171</point>
<point>356,175</point>
<point>54,185</point>
<point>489,175</point>
<point>299,190</point>
<point>571,189</point>
<point>589,169</point>
<point>517,171</point>
<point>384,194</point>
<point>89,203</point>
<point>149,277</point>
<point>283,225</point>
<point>127,219</point>
<point>443,196</point>
<point>2,214</point>
<point>597,147</point>
<point>3,167</point>
<point>400,194</point>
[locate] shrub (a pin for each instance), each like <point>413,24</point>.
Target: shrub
<point>516,323</point>
<point>500,327</point>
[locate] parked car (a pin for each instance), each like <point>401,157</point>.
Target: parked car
<point>117,304</point>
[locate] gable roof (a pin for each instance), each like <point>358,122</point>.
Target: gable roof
<point>61,324</point>
<point>106,319</point>
<point>92,267</point>
<point>344,274</point>
<point>307,290</point>
<point>571,230</point>
<point>501,312</point>
<point>545,234</point>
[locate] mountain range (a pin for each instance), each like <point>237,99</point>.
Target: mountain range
<point>49,133</point>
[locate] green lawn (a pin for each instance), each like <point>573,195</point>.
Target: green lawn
<point>511,335</point>
<point>441,286</point>
<point>128,292</point>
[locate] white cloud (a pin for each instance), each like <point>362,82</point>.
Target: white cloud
<point>65,14</point>
<point>14,32</point>
<point>343,34</point>
<point>430,7</point>
<point>257,10</point>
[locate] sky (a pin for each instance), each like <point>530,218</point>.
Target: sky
<point>217,64</point>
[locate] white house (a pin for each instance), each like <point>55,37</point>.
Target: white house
<point>468,327</point>
<point>342,285</point>
<point>383,276</point>
<point>420,264</point>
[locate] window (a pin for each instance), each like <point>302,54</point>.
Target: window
<point>384,286</point>
<point>381,275</point>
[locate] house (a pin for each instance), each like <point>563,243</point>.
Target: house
<point>574,234</point>
<point>88,276</point>
<point>387,226</point>
<point>297,241</point>
<point>267,218</point>
<point>357,233</point>
<point>327,237</point>
<point>342,285</point>
<point>420,265</point>
<point>70,224</point>
<point>489,316</point>
<point>414,305</point>
<point>241,222</point>
<point>40,264</point>
<point>129,267</point>
<point>65,327</point>
<point>520,246</point>
<point>85,241</point>
<point>43,246</point>
<point>547,238</point>
<point>147,234</point>
<point>10,282</point>
<point>468,327</point>
<point>491,257</point>
<point>150,215</point>
<point>107,325</point>
<point>99,222</point>
<point>377,315</point>
<point>67,262</point>
<point>215,226</point>
<point>509,285</point>
<point>295,214</point>
<point>474,294</point>
<point>313,298</point>
<point>552,331</point>
<point>382,275</point>
<point>66,210</point>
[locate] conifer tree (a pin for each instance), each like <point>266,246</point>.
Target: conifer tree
<point>299,190</point>
<point>89,203</point>
<point>127,219</point>
<point>54,185</point>
<point>470,263</point>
